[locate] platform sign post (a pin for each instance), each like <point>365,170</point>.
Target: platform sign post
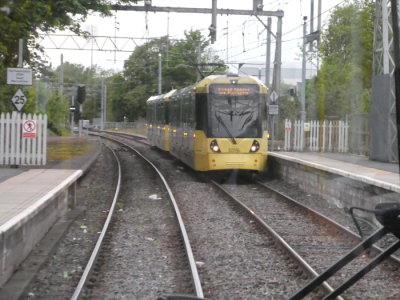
<point>19,76</point>
<point>29,129</point>
<point>273,109</point>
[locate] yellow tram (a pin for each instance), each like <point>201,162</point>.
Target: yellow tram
<point>217,124</point>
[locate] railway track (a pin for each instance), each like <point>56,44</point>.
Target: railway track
<point>153,260</point>
<point>313,240</point>
<point>130,136</point>
<point>317,241</point>
<point>230,251</point>
<point>95,254</point>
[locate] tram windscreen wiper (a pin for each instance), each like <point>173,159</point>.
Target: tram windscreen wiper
<point>225,127</point>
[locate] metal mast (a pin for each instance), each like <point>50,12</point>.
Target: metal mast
<point>383,146</point>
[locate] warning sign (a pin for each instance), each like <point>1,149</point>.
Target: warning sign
<point>29,129</point>
<point>288,125</point>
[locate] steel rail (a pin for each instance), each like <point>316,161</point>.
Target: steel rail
<point>188,248</point>
<point>93,258</point>
<point>138,138</point>
<point>277,238</point>
<point>325,219</point>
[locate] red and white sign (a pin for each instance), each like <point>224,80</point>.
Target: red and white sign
<point>288,125</point>
<point>29,129</point>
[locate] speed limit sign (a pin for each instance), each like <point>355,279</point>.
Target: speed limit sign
<point>19,100</point>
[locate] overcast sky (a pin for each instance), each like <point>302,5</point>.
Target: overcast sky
<point>245,42</point>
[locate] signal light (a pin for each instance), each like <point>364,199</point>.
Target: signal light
<point>255,146</point>
<point>81,94</point>
<point>214,146</point>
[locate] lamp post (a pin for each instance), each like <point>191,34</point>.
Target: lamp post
<point>303,73</point>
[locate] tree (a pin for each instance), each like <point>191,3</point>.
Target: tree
<point>27,18</point>
<point>117,104</point>
<point>57,110</point>
<point>129,91</point>
<point>344,80</point>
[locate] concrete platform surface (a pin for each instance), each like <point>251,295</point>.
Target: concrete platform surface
<point>28,191</point>
<point>33,198</point>
<point>384,175</point>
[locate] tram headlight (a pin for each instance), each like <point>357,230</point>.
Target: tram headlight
<point>214,146</point>
<point>255,146</point>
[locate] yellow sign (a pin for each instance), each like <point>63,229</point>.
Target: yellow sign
<point>233,91</point>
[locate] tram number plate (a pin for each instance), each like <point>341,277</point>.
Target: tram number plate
<point>234,150</point>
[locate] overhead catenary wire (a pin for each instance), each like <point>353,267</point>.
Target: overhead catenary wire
<point>248,44</point>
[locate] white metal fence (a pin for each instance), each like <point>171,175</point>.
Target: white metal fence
<point>326,136</point>
<point>19,145</point>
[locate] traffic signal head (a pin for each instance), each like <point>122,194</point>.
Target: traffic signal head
<point>81,94</point>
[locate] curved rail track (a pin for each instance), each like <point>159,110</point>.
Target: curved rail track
<point>312,239</point>
<point>315,242</point>
<point>91,264</point>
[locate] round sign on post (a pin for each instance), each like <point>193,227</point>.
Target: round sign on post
<point>29,129</point>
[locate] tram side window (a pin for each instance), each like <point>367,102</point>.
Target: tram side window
<point>263,112</point>
<point>161,116</point>
<point>179,114</point>
<point>186,111</point>
<point>201,111</point>
<point>174,113</point>
<point>157,113</point>
<point>148,114</point>
<point>150,117</point>
<point>166,112</point>
<point>183,111</point>
<point>192,110</point>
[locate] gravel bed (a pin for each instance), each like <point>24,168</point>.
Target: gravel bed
<point>319,245</point>
<point>235,261</point>
<point>59,277</point>
<point>146,258</point>
<point>340,215</point>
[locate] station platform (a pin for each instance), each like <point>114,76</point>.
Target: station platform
<point>360,168</point>
<point>33,198</point>
<point>342,180</point>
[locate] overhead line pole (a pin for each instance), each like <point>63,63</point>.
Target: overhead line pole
<point>20,53</point>
<point>268,58</point>
<point>303,73</point>
<point>396,41</point>
<point>213,32</point>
